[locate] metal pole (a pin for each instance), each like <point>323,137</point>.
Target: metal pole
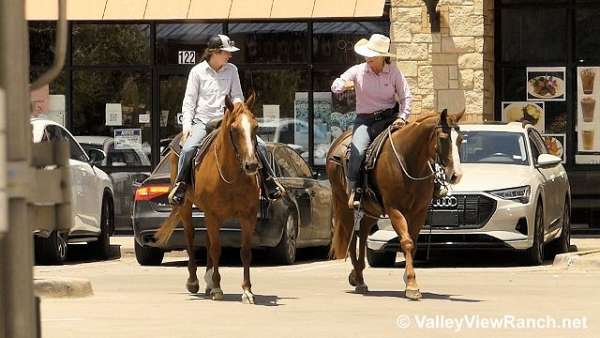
<point>17,317</point>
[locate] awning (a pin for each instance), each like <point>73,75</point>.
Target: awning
<point>204,9</point>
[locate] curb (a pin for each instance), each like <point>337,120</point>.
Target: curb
<point>62,287</point>
<point>578,260</point>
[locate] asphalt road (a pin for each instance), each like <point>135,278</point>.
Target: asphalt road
<point>464,294</point>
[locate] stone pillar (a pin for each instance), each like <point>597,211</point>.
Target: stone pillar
<point>452,68</point>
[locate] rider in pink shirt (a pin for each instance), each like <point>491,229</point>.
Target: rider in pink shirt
<point>382,98</point>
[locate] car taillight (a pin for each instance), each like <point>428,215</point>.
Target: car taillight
<point>150,192</point>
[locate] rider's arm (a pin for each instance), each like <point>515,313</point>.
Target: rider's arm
<point>403,95</point>
<point>236,88</point>
<point>339,84</point>
<point>190,99</point>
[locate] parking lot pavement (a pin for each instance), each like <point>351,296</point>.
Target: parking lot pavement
<point>313,299</point>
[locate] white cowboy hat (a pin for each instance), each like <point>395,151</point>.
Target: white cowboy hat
<point>377,45</point>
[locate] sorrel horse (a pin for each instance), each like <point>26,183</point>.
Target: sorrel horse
<point>226,187</point>
<point>404,179</point>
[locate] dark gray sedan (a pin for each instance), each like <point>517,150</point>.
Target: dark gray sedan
<point>301,219</point>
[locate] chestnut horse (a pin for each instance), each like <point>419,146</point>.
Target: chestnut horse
<point>404,179</point>
<point>226,187</point>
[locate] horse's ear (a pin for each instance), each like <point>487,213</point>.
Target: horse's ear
<point>250,100</point>
<point>444,117</point>
<point>453,119</point>
<point>228,103</point>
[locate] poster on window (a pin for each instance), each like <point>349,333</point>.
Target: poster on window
<point>114,114</point>
<point>588,94</point>
<point>532,112</point>
<point>546,84</point>
<point>128,138</point>
<point>556,145</point>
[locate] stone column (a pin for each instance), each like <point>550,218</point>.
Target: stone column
<point>451,69</point>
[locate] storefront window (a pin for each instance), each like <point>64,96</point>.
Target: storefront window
<point>269,42</point>
<point>111,44</point>
<point>534,34</point>
<point>280,106</point>
<point>333,42</point>
<point>587,42</point>
<point>183,43</point>
<point>41,43</point>
<point>115,107</point>
<point>172,91</point>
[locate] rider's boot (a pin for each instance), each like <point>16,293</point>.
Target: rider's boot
<point>273,188</point>
<point>177,194</point>
<point>353,196</point>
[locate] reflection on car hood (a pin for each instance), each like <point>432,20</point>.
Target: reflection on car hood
<point>486,177</point>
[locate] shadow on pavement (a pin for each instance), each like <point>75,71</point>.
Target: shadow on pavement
<point>263,300</point>
<point>426,295</point>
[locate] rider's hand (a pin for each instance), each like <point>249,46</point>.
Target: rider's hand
<point>349,86</point>
<point>399,123</point>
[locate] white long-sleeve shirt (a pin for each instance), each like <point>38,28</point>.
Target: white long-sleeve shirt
<point>205,92</point>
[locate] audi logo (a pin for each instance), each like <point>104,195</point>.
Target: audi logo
<point>445,202</point>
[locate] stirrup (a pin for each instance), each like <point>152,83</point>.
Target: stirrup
<point>176,196</point>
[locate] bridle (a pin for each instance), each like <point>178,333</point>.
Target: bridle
<point>238,157</point>
<point>439,162</point>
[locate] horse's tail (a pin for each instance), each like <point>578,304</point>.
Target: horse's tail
<point>166,229</point>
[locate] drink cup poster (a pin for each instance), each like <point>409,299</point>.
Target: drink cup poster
<point>588,104</point>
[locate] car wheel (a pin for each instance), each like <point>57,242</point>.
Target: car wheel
<point>51,250</point>
<point>285,251</point>
<point>381,259</point>
<point>563,243</point>
<point>535,254</point>
<point>101,247</point>
<point>147,255</point>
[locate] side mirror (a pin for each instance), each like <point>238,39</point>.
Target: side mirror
<point>316,175</point>
<point>96,156</point>
<point>547,160</point>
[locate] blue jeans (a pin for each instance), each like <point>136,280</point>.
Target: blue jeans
<point>188,151</point>
<point>365,130</point>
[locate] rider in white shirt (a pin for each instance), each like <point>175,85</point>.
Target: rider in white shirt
<point>208,84</point>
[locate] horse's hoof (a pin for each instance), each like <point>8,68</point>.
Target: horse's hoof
<point>193,287</point>
<point>413,294</point>
<point>207,291</point>
<point>362,289</point>
<point>247,297</point>
<point>352,278</point>
<point>217,294</point>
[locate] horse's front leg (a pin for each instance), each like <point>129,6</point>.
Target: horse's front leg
<point>248,227</point>
<point>359,263</point>
<point>212,229</point>
<point>185,214</point>
<point>408,249</point>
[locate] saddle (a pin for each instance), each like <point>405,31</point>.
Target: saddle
<point>372,154</point>
<point>212,129</point>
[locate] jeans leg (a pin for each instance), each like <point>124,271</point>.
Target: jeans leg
<point>263,157</point>
<point>188,151</point>
<point>360,143</point>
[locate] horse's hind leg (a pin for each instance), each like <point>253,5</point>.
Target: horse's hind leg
<point>212,229</point>
<point>192,284</point>
<point>209,269</point>
<point>359,267</point>
<point>246,256</point>
<point>408,249</point>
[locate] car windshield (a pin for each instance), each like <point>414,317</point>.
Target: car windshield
<point>493,147</point>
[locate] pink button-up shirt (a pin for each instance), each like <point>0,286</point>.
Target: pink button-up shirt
<point>376,91</point>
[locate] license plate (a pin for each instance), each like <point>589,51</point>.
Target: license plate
<point>444,219</point>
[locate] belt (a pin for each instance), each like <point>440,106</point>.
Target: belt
<point>381,114</point>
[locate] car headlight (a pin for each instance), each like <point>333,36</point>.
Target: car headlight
<point>520,194</point>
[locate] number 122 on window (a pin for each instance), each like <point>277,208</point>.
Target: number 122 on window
<point>187,57</point>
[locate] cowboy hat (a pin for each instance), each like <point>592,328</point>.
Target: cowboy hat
<point>377,45</point>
